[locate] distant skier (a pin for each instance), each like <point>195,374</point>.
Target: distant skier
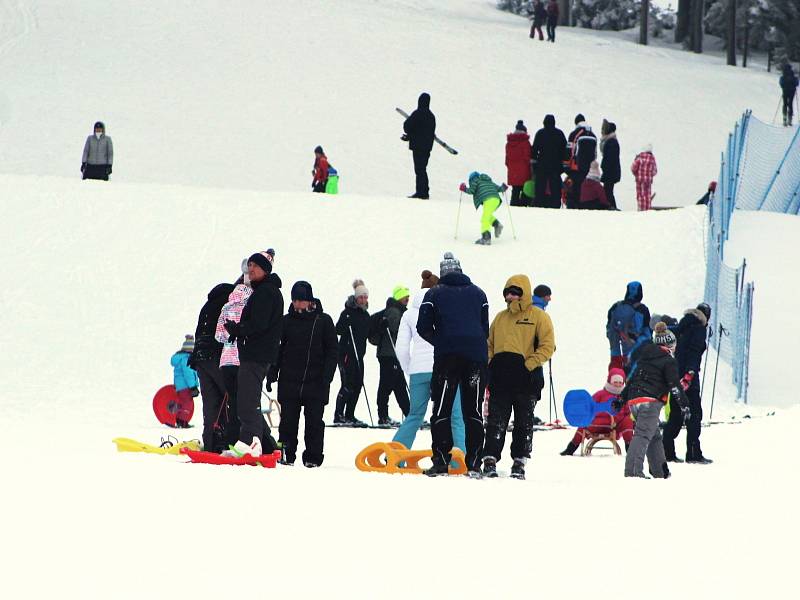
<point>552,20</point>
<point>627,326</point>
<point>98,154</point>
<point>185,381</point>
<point>353,330</point>
<point>612,171</point>
<point>549,153</point>
<point>383,333</point>
<point>593,195</point>
<point>788,82</point>
<point>582,144</point>
<point>518,161</point>
<point>644,169</point>
<point>420,129</point>
<point>320,171</point>
<point>485,193</point>
<point>539,18</point>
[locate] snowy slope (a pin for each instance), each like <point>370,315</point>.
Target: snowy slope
<point>238,94</point>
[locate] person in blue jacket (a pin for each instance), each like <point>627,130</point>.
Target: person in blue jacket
<point>185,381</point>
<point>627,327</point>
<point>454,319</point>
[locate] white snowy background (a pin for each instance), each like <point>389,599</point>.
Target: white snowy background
<point>214,109</point>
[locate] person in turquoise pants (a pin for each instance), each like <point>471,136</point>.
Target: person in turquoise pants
<point>416,359</point>
<point>486,193</point>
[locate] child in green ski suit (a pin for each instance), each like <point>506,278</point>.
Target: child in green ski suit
<point>485,192</point>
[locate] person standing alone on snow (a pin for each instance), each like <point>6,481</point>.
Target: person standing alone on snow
<point>552,20</point>
<point>518,161</point>
<point>612,170</point>
<point>454,319</point>
<point>788,83</point>
<point>644,169</point>
<point>98,154</point>
<point>320,171</point>
<point>485,193</point>
<point>539,17</point>
<point>392,380</point>
<point>420,129</point>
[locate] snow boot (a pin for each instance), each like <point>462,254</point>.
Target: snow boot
<point>388,422</point>
<point>498,228</point>
<point>518,469</point>
<point>438,468</point>
<point>485,239</point>
<point>699,460</point>
<point>489,467</point>
<point>310,465</point>
<point>353,422</point>
<point>569,450</point>
<point>338,419</point>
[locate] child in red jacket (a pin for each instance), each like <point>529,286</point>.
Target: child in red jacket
<point>320,171</point>
<point>518,161</point>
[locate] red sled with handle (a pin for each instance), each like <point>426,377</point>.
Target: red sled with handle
<point>211,458</point>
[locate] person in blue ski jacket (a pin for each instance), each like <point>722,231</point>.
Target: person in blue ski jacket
<point>185,381</point>
<point>627,327</point>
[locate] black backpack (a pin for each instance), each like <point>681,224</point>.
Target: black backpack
<point>377,327</point>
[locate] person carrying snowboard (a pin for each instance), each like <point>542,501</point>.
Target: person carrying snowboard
<point>420,129</point>
<point>518,161</point>
<point>384,326</point>
<point>644,169</point>
<point>627,326</point>
<point>353,331</point>
<point>788,82</point>
<point>185,381</point>
<point>521,340</point>
<point>485,193</point>
<point>98,154</point>
<point>320,171</point>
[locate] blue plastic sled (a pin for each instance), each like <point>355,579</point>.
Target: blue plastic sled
<point>580,409</point>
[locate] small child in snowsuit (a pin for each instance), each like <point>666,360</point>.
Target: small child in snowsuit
<point>320,171</point>
<point>185,381</point>
<point>644,169</point>
<point>485,193</point>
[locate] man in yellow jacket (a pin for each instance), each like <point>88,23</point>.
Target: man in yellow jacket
<point>521,339</point>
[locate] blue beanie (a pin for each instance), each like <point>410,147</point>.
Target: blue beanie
<point>473,175</point>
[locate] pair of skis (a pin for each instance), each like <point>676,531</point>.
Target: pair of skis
<point>436,139</point>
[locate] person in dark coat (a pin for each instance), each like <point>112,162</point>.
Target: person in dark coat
<point>552,20</point>
<point>392,380</point>
<point>420,129</point>
<point>353,330</point>
<point>304,371</point>
<point>612,171</point>
<point>454,319</point>
<point>692,332</point>
<point>627,326</point>
<point>788,82</point>
<point>539,18</point>
<point>518,162</point>
<point>654,378</point>
<point>98,154</point>
<point>548,154</point>
<point>257,337</point>
<point>582,145</point>
<point>205,360</point>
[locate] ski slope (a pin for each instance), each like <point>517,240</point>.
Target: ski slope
<point>214,109</point>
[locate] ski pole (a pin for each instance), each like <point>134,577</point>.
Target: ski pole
<point>458,214</point>
<point>510,220</point>
<point>705,363</point>
<point>552,388</point>
<point>394,348</point>
<point>358,364</point>
<point>714,386</point>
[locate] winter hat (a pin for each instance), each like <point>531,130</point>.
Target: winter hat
<point>263,260</point>
<point>301,290</point>
<point>520,126</point>
<point>399,292</point>
<point>579,118</point>
<point>663,336</point>
<point>542,290</point>
<point>188,343</point>
<point>594,170</point>
<point>318,150</point>
<point>705,309</point>
<point>429,279</point>
<point>712,187</point>
<point>449,264</point>
<point>647,148</point>
<point>473,175</point>
<point>100,125</point>
<point>615,382</point>
<point>359,289</point>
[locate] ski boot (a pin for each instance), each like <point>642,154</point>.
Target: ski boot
<point>353,422</point>
<point>475,474</point>
<point>388,422</point>
<point>485,239</point>
<point>498,228</point>
<point>518,469</point>
<point>437,469</point>
<point>310,465</point>
<point>569,450</point>
<point>490,467</point>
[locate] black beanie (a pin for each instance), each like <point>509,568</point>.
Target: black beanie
<point>318,150</point>
<point>520,126</point>
<point>542,291</point>
<point>100,125</point>
<point>579,118</point>
<point>302,291</point>
<point>260,258</point>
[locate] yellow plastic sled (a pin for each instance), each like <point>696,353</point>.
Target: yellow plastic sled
<point>387,457</point>
<point>129,445</point>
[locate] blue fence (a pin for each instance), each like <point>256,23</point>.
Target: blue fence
<point>760,170</point>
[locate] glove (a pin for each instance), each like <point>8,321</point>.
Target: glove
<point>404,137</point>
<point>686,380</point>
<point>503,188</point>
<point>463,187</point>
<point>233,329</point>
<point>108,170</point>
<point>616,404</point>
<point>83,167</point>
<point>195,392</point>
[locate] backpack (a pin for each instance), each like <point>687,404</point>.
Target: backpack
<point>621,325</point>
<point>377,327</point>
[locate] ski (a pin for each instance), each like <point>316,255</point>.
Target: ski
<point>348,426</point>
<point>436,139</point>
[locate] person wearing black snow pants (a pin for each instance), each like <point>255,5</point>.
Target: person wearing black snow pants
<point>548,153</point>
<point>353,330</point>
<point>454,319</point>
<point>420,130</point>
<point>788,82</point>
<point>392,380</point>
<point>304,371</point>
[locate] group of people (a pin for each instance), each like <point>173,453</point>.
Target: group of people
<point>542,14</point>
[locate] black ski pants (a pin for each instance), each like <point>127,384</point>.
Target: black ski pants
<point>392,381</point>
<point>312,398</point>
<point>548,182</point>
<point>99,172</point>
<point>230,376</point>
<point>501,403</point>
<point>212,389</point>
<point>452,372</point>
<point>352,382</point>
<point>551,29</point>
<point>608,186</point>
<point>788,106</point>
<point>250,382</point>
<point>693,427</point>
<point>517,197</point>
<point>421,171</point>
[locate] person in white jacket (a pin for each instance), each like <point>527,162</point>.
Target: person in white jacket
<point>416,359</point>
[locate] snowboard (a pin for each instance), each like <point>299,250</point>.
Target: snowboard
<point>211,458</point>
<point>436,139</point>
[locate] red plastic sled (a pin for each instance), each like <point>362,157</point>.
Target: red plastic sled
<point>167,403</point>
<point>265,460</point>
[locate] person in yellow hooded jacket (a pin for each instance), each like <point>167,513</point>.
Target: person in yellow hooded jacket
<point>521,339</point>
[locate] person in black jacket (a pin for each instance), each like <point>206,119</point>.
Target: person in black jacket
<point>304,371</point>
<point>612,171</point>
<point>353,330</point>
<point>691,334</point>
<point>549,151</point>
<point>420,129</point>
<point>788,82</point>
<point>205,360</point>
<point>582,145</point>
<point>257,336</point>
<point>655,377</point>
<point>392,380</point>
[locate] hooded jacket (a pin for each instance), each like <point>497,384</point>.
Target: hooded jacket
<point>628,323</point>
<point>644,167</point>
<point>184,377</point>
<point>231,311</point>
<point>206,346</point>
<point>691,336</point>
<point>414,353</point>
<point>353,317</point>
<point>788,81</point>
<point>420,126</point>
<point>522,335</point>
<point>518,158</point>
<point>481,188</point>
<point>260,326</point>
<point>654,376</point>
<point>549,148</point>
<point>98,151</point>
<point>393,313</point>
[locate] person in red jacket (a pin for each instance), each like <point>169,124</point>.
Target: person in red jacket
<point>621,420</point>
<point>593,195</point>
<point>552,20</point>
<point>644,169</point>
<point>518,161</point>
<point>320,171</point>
